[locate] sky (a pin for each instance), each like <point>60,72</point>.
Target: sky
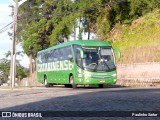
<point>5,42</point>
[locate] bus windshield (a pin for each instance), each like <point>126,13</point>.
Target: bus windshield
<point>98,59</point>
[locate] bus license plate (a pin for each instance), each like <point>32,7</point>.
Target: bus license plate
<point>102,81</point>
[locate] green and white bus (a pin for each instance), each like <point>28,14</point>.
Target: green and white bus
<point>80,62</point>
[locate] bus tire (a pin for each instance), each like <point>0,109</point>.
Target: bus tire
<point>74,86</point>
<point>68,85</point>
<point>100,86</point>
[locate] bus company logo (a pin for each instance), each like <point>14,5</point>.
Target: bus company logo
<point>55,66</point>
<point>6,114</point>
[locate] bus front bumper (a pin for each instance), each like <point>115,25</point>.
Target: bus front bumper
<point>93,80</point>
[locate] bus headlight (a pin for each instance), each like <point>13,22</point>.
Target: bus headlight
<point>114,75</point>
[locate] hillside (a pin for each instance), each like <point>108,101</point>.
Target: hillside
<point>140,41</point>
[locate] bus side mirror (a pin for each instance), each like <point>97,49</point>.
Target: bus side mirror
<point>118,52</point>
<point>81,52</point>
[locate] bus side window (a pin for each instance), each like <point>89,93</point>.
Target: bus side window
<point>65,53</point>
<point>43,58</point>
<point>77,55</point>
<point>61,54</point>
<point>78,58</point>
<point>47,57</point>
<point>69,53</point>
<point>55,55</point>
<point>50,56</point>
<point>39,60</point>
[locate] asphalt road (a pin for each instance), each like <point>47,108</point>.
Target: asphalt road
<point>119,99</point>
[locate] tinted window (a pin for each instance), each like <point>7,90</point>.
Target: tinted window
<point>55,55</point>
<point>60,54</point>
<point>67,53</point>
<point>51,56</point>
<point>77,55</point>
<point>39,59</point>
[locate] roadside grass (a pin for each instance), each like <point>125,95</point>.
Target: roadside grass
<point>140,41</point>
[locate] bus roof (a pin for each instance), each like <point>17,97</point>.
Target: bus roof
<point>78,42</point>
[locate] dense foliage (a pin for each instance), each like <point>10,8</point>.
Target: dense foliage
<point>21,72</point>
<point>43,23</point>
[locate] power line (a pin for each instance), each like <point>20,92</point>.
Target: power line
<point>5,27</point>
<point>4,30</point>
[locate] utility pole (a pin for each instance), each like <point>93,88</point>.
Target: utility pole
<point>13,53</point>
<point>30,59</point>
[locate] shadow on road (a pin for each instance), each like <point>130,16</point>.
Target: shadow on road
<point>103,100</point>
<point>92,86</point>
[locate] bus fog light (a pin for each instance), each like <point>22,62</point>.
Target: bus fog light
<point>87,80</point>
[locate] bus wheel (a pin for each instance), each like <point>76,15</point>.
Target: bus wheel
<point>100,85</point>
<point>46,84</point>
<point>74,86</point>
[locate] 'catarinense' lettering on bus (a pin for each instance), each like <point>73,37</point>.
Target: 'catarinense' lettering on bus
<point>55,66</point>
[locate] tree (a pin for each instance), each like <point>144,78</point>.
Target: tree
<point>42,23</point>
<point>38,24</point>
<point>141,7</point>
<point>5,69</point>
